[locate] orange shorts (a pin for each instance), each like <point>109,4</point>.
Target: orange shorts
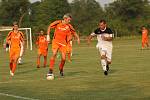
<point>14,53</point>
<point>42,52</point>
<point>145,40</point>
<point>58,46</point>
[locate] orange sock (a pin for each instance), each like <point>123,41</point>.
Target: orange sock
<point>61,66</point>
<point>14,67</point>
<point>11,66</point>
<point>38,61</point>
<point>52,62</point>
<point>45,62</point>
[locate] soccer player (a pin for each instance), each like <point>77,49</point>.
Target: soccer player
<point>104,45</point>
<point>144,37</point>
<point>42,45</point>
<point>14,39</point>
<point>62,36</point>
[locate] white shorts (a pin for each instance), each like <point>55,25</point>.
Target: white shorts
<point>105,50</point>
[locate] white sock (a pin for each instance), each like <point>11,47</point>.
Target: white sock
<point>103,62</point>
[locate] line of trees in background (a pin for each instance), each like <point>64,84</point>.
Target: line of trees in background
<point>125,17</point>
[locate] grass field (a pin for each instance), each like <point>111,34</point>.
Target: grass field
<point>129,77</point>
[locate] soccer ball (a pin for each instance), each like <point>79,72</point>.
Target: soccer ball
<point>50,77</point>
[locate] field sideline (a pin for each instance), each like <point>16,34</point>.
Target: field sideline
<point>129,77</point>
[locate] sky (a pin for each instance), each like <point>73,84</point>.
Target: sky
<point>102,2</point>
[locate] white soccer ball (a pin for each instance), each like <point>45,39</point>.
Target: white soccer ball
<point>50,77</point>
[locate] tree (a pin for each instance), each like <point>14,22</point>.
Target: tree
<point>86,15</point>
<point>12,10</point>
<point>47,11</point>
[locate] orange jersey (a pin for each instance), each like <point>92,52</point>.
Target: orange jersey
<point>62,32</point>
<point>42,43</point>
<point>15,39</point>
<point>145,33</point>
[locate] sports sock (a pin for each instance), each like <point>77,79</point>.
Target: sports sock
<point>61,65</point>
<point>104,64</point>
<point>52,62</point>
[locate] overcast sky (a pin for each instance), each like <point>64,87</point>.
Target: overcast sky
<point>102,2</point>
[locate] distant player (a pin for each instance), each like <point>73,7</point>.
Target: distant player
<point>14,39</point>
<point>42,45</point>
<point>144,37</point>
<point>104,45</point>
<point>61,38</point>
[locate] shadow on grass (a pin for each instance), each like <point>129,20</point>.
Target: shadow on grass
<point>76,73</point>
<point>27,71</point>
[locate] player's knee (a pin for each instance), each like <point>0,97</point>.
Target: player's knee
<point>109,62</point>
<point>103,56</point>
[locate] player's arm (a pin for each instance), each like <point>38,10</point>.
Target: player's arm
<point>90,37</point>
<point>110,37</point>
<point>8,38</point>
<point>52,25</point>
<point>74,33</point>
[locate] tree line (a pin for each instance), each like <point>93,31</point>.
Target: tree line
<point>125,17</point>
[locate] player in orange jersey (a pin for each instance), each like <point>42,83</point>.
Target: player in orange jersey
<point>14,39</point>
<point>42,44</point>
<point>62,36</point>
<point>144,37</point>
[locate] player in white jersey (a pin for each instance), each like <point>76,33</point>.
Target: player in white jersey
<point>104,45</point>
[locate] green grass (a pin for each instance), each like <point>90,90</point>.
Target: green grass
<point>129,77</point>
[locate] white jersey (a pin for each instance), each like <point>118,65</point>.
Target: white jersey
<point>104,47</point>
<point>100,33</point>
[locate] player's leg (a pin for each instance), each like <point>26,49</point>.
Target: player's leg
<point>103,60</point>
<point>45,61</point>
<point>109,56</point>
<point>38,60</point>
<point>15,60</point>
<point>63,60</point>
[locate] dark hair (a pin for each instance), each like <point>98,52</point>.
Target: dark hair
<point>102,21</point>
<point>15,23</point>
<point>67,15</point>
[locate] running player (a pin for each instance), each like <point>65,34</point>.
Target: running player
<point>42,45</point>
<point>144,37</point>
<point>104,45</point>
<point>62,36</point>
<point>14,39</point>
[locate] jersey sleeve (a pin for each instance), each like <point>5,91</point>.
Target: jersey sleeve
<point>94,33</point>
<point>8,38</point>
<point>55,23</point>
<point>110,32</point>
<point>72,29</point>
<point>22,37</point>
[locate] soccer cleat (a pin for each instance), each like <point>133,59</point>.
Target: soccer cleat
<point>11,73</point>
<point>107,67</point>
<point>105,73</point>
<point>38,66</point>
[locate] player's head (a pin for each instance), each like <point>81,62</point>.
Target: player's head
<point>15,25</point>
<point>41,32</point>
<point>67,18</point>
<point>102,24</point>
<point>143,28</point>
